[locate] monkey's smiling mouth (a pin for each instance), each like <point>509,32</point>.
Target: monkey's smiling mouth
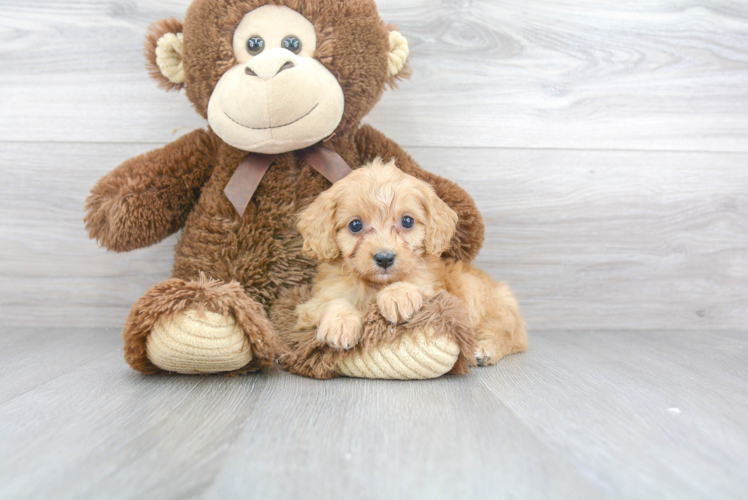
<point>270,128</point>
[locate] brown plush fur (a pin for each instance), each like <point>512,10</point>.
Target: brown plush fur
<point>181,185</point>
<point>443,314</point>
<point>140,203</point>
<point>350,281</point>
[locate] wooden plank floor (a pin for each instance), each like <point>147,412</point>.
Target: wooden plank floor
<point>596,414</point>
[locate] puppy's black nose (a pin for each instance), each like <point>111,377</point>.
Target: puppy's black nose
<point>384,259</point>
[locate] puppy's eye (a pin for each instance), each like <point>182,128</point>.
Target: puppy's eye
<point>292,43</point>
<point>255,45</point>
<point>408,222</point>
<point>356,226</point>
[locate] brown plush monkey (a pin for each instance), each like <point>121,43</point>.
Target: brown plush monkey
<point>284,85</point>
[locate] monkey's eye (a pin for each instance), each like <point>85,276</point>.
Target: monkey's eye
<point>292,43</point>
<point>356,226</point>
<point>255,45</point>
<point>408,222</point>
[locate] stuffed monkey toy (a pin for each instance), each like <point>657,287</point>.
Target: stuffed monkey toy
<point>284,85</point>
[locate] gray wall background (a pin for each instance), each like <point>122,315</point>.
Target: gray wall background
<point>605,142</point>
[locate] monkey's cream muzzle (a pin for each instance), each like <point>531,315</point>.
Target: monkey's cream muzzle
<point>275,103</point>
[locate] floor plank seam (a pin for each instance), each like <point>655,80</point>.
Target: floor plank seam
<point>422,146</point>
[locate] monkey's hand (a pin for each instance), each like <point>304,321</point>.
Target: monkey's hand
<point>399,301</point>
<point>149,197</point>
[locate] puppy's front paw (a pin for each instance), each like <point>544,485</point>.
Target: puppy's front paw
<point>399,302</point>
<point>342,330</point>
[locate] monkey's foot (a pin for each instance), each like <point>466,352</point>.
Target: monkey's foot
<point>199,327</point>
<point>192,343</point>
<point>417,356</point>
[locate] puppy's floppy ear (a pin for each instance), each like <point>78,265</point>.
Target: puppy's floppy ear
<point>317,225</point>
<point>441,224</point>
<point>163,50</point>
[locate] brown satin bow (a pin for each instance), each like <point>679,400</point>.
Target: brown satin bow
<point>254,166</point>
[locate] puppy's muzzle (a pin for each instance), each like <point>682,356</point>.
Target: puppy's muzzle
<point>385,259</point>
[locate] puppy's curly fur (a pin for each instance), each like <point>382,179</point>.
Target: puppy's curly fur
<point>381,234</point>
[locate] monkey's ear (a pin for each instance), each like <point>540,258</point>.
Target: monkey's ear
<point>397,57</point>
<point>317,225</point>
<point>163,50</point>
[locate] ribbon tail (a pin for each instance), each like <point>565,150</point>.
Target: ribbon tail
<point>246,180</point>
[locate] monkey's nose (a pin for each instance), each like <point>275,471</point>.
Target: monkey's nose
<point>384,259</point>
<point>267,69</point>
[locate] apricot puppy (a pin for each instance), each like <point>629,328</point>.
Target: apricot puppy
<point>380,234</point>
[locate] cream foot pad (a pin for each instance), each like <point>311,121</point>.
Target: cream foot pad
<point>414,358</point>
<point>191,343</point>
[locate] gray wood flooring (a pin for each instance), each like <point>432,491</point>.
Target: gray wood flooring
<point>586,414</point>
<point>606,144</point>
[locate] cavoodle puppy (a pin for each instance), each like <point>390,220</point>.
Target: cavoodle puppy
<point>380,234</point>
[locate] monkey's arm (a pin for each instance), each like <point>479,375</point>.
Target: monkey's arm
<point>149,197</point>
<point>468,238</point>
